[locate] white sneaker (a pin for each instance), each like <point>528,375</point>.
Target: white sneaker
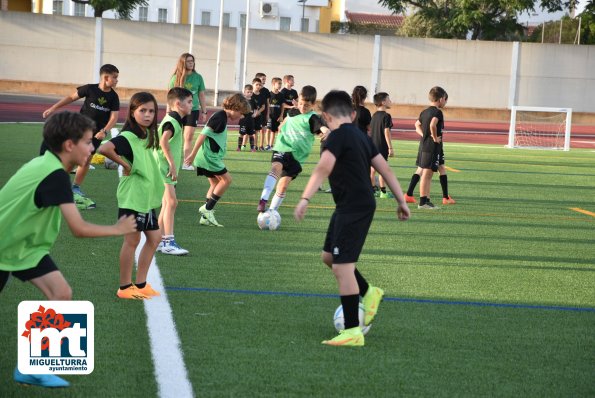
<point>172,248</point>
<point>160,246</point>
<point>187,167</point>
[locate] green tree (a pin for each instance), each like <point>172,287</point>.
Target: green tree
<point>124,8</point>
<point>588,24</point>
<point>483,19</point>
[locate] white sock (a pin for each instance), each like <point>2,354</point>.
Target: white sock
<point>277,200</point>
<point>269,185</point>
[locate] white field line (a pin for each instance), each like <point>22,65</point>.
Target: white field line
<point>170,372</point>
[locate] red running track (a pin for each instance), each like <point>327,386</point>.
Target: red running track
<point>23,108</point>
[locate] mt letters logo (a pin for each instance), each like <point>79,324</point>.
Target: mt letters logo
<point>56,337</point>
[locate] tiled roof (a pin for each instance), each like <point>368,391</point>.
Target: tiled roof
<point>377,19</point>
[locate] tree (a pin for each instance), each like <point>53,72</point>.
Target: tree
<point>482,19</point>
<point>124,8</point>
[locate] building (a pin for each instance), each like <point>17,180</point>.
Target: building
<point>284,15</point>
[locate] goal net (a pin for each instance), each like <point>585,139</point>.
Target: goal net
<point>539,128</point>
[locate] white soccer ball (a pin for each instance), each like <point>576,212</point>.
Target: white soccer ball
<point>339,319</point>
<point>110,164</point>
<point>269,220</point>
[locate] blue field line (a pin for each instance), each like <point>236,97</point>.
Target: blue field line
<point>397,299</point>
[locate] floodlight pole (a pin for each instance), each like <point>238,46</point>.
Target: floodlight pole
<point>247,27</point>
<point>192,26</point>
<point>216,96</point>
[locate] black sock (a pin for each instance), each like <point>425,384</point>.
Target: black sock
<point>375,187</point>
<point>212,201</point>
<point>251,142</point>
<point>423,200</point>
<point>240,139</point>
<point>444,184</point>
<point>124,287</point>
<point>350,310</point>
<point>361,283</point>
<point>383,189</point>
<point>414,180</point>
<point>141,285</point>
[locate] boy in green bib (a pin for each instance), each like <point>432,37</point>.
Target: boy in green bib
<point>208,153</point>
<point>169,157</point>
<point>292,148</point>
<point>140,191</point>
<point>31,205</point>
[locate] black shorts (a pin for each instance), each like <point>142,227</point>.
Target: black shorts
<point>208,173</point>
<point>291,167</point>
<point>430,160</point>
<point>45,266</point>
<point>191,119</point>
<point>144,221</point>
<point>273,125</point>
<point>246,129</point>
<point>346,235</point>
<point>258,122</point>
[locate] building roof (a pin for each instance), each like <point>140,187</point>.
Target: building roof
<point>376,19</point>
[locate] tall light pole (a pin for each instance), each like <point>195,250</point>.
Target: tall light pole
<point>303,13</point>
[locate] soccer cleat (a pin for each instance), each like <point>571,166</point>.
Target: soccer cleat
<point>148,291</point>
<point>428,206</point>
<point>131,293</point>
<point>448,201</point>
<point>209,215</point>
<point>377,193</point>
<point>50,381</point>
<point>82,202</point>
<point>409,199</point>
<point>262,205</point>
<point>187,167</point>
<point>171,247</point>
<point>386,195</point>
<point>347,338</point>
<point>371,301</point>
<point>203,221</point>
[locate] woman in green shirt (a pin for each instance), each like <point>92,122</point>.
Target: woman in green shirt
<point>186,76</point>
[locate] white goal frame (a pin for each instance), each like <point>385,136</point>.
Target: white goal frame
<point>512,127</point>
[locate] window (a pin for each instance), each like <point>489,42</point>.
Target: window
<point>79,10</point>
<point>57,7</point>
<point>143,14</point>
<point>243,21</point>
<point>205,18</point>
<point>226,19</point>
<point>305,25</point>
<point>285,24</point>
<point>162,15</point>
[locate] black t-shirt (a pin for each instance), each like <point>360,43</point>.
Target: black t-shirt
<point>276,100</point>
<point>350,178</point>
<point>218,123</point>
<point>123,147</point>
<point>169,126</point>
<point>380,121</point>
<point>260,99</point>
<point>425,118</point>
<point>316,123</point>
<point>363,117</point>
<point>54,190</point>
<point>98,104</point>
<point>289,95</point>
<point>247,121</point>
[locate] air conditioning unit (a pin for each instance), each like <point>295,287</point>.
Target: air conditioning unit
<point>268,9</point>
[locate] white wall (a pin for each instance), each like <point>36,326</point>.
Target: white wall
<point>476,74</point>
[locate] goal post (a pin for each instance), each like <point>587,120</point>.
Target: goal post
<point>533,127</point>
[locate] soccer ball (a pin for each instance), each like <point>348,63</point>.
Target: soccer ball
<point>269,220</point>
<point>339,320</point>
<point>110,164</point>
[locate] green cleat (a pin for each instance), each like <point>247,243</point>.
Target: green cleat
<point>209,215</point>
<point>371,301</point>
<point>82,202</point>
<point>386,195</point>
<point>347,338</point>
